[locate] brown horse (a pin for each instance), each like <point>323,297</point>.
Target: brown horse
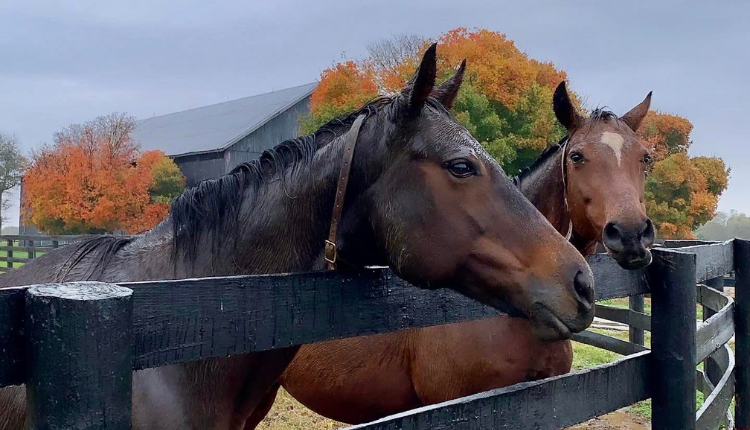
<point>423,198</point>
<point>590,187</point>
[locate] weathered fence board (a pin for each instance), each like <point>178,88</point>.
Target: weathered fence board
<point>607,342</point>
<point>612,281</point>
<point>673,298</point>
<point>12,305</point>
<point>714,409</point>
<point>711,260</point>
<point>625,316</point>
<point>742,333</point>
<point>716,330</point>
<point>548,404</point>
<point>186,320</point>
<point>69,327</point>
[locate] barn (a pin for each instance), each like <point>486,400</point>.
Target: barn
<point>209,141</point>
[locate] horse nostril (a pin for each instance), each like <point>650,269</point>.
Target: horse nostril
<point>584,286</point>
<point>647,234</point>
<point>612,237</point>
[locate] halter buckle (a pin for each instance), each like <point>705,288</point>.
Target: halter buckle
<point>330,253</point>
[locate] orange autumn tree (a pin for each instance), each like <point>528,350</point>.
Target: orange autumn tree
<point>682,192</point>
<point>95,179</point>
<point>504,102</point>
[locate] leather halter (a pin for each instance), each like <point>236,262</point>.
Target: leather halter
<point>563,163</point>
<point>331,252</point>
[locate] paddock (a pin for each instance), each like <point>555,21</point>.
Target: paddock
<point>93,335</point>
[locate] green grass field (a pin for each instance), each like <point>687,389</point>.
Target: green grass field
<point>16,254</point>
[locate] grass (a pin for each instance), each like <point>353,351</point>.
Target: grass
<point>16,254</point>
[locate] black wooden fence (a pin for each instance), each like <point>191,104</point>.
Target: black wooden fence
<point>49,336</point>
<point>16,250</point>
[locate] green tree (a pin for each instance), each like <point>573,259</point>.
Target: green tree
<point>506,104</point>
<point>12,164</point>
<point>169,182</point>
<point>725,226</point>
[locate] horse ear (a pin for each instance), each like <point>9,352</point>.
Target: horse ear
<point>420,86</point>
<point>446,92</point>
<point>564,110</point>
<point>635,116</point>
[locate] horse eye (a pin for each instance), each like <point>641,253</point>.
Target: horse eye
<point>461,168</point>
<point>647,159</point>
<point>576,157</point>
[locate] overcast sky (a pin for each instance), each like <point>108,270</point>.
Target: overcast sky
<point>68,62</point>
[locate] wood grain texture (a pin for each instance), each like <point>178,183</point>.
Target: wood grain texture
<point>714,409</point>
<point>713,260</point>
<point>609,343</point>
<point>626,316</point>
<point>673,298</point>
<point>187,320</point>
<point>549,404</point>
<point>79,356</point>
<point>717,329</point>
<point>12,305</point>
<point>636,335</point>
<point>742,333</point>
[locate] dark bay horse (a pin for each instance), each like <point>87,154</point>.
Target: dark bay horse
<point>423,197</point>
<point>591,188</point>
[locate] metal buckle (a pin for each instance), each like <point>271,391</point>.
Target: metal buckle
<point>330,252</point>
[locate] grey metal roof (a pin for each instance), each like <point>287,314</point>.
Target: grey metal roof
<point>215,127</point>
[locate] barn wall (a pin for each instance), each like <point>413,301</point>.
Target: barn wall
<point>199,167</point>
<point>283,127</point>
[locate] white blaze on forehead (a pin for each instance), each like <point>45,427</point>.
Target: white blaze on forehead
<point>614,141</point>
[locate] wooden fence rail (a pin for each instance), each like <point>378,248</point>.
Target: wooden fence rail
<point>18,249</point>
<point>186,320</point>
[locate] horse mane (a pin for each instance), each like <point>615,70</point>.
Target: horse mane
<point>596,115</point>
<point>102,249</point>
<point>540,160</point>
<point>213,205</point>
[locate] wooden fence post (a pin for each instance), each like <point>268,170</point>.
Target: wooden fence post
<point>671,278</point>
<point>713,371</point>
<point>10,254</point>
<point>742,334</point>
<point>636,334</point>
<point>79,347</point>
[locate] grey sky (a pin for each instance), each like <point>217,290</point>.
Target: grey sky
<point>66,63</point>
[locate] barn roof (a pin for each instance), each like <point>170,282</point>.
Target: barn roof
<point>215,127</point>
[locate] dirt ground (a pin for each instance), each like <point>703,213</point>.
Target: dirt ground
<point>615,421</point>
<point>288,414</point>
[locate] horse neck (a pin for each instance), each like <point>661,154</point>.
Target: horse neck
<point>282,226</point>
<point>543,186</point>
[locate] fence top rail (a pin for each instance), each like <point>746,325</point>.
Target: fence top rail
<point>526,405</point>
<point>41,237</point>
<point>185,320</point>
<point>712,259</point>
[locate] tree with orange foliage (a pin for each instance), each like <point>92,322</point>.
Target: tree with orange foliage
<point>681,192</point>
<point>506,104</point>
<point>94,179</point>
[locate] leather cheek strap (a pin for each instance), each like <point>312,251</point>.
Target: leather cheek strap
<point>331,252</point>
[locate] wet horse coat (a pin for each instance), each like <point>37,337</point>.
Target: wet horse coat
<point>415,171</point>
<point>588,186</point>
